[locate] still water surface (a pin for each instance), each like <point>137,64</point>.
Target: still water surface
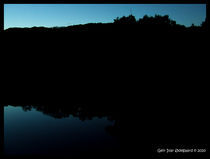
<point>34,133</point>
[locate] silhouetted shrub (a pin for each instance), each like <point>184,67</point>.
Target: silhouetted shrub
<point>125,20</point>
<point>204,25</point>
<point>157,20</point>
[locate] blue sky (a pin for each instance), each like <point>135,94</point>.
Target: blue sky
<point>50,15</point>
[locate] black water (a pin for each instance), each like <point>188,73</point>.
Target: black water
<point>59,131</point>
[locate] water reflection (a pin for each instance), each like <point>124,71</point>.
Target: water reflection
<point>60,130</point>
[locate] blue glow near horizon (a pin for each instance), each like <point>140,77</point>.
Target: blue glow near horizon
<point>51,15</point>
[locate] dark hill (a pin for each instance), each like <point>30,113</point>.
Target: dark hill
<point>124,24</point>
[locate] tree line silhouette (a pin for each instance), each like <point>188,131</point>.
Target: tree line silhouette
<point>83,111</point>
<point>125,23</point>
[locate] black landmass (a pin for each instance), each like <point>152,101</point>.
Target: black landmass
<point>157,23</point>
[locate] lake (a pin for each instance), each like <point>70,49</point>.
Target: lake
<point>54,131</point>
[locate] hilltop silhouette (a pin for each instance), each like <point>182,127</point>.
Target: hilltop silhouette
<point>129,23</point>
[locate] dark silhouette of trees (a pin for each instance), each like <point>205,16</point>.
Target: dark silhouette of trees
<point>157,20</point>
<point>158,23</point>
<point>204,25</point>
<point>125,20</point>
<point>83,111</point>
<point>126,24</point>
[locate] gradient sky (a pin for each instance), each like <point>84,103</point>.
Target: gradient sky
<point>49,15</point>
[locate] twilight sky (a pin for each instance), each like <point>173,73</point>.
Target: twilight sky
<point>50,15</point>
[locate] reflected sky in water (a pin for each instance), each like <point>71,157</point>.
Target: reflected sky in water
<point>34,133</point>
